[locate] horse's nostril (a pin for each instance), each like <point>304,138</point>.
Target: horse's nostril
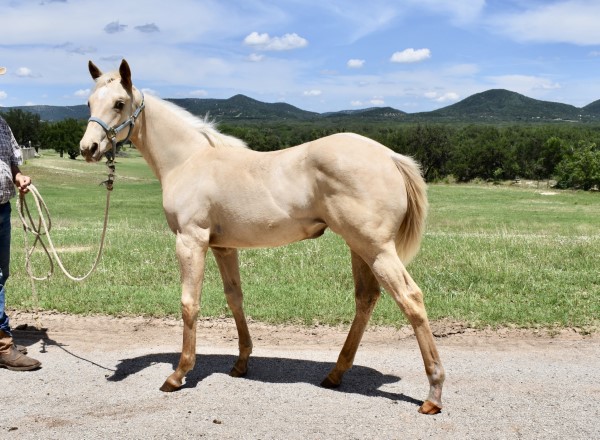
<point>94,148</point>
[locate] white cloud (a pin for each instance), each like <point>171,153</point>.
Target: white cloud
<point>445,97</point>
<point>355,63</point>
<point>375,101</point>
<point>256,39</point>
<point>266,42</point>
<point>3,95</point>
<point>24,72</point>
<point>312,93</point>
<point>198,93</point>
<point>255,57</point>
<point>82,93</point>
<point>410,55</point>
<point>523,83</point>
<point>566,21</point>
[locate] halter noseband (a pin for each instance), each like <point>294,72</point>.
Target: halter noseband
<point>111,132</point>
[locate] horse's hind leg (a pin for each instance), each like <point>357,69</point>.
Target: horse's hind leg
<point>227,260</point>
<point>191,253</point>
<point>366,295</point>
<point>394,277</point>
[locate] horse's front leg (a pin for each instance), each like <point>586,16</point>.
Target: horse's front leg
<point>191,253</point>
<point>227,260</point>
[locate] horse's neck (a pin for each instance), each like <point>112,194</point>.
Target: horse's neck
<point>164,140</point>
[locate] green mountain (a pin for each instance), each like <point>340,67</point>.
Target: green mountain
<point>240,107</point>
<point>491,106</point>
<point>592,109</point>
<point>498,105</point>
<point>378,113</point>
<point>54,113</point>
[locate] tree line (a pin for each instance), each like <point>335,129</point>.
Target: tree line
<point>28,130</point>
<point>567,153</point>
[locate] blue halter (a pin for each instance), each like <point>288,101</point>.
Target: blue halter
<point>111,133</point>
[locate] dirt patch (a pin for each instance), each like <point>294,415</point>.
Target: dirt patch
<point>100,379</point>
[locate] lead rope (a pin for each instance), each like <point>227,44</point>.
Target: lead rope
<point>43,227</point>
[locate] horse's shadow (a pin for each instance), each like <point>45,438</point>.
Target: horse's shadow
<point>359,380</point>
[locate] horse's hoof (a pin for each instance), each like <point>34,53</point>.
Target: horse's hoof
<point>237,373</point>
<point>328,383</point>
<point>429,407</point>
<point>169,386</point>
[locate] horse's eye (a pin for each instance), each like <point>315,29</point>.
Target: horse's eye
<point>119,105</point>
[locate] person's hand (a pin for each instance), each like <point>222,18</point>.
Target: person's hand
<point>22,181</point>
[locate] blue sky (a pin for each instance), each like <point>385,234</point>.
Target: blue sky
<point>319,55</point>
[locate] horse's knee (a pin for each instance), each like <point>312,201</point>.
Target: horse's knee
<point>189,311</point>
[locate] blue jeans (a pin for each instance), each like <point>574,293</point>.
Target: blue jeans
<point>4,262</point>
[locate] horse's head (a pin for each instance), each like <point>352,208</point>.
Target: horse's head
<point>113,112</point>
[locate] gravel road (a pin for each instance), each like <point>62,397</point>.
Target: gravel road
<point>100,380</point>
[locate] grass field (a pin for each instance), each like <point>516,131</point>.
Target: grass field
<point>492,255</point>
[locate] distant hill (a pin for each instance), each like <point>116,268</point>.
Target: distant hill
<point>54,113</point>
<point>367,113</point>
<point>496,105</point>
<point>503,105</point>
<point>592,108</point>
<point>240,107</point>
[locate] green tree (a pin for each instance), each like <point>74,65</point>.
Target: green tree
<point>26,126</point>
<point>580,168</point>
<point>551,155</point>
<point>63,136</point>
<point>479,152</point>
<point>430,145</point>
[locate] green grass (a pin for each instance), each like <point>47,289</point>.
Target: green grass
<point>492,255</point>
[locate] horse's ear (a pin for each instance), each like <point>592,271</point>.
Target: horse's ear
<point>125,72</point>
<point>94,71</point>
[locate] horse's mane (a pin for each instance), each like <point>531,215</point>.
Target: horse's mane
<point>205,126</point>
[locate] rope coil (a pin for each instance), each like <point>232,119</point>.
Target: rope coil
<point>43,228</point>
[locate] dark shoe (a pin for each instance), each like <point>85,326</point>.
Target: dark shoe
<point>16,361</point>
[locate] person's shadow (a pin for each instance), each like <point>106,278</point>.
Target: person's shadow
<point>27,335</point>
<point>358,380</point>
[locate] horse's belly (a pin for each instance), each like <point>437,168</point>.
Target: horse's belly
<point>268,234</point>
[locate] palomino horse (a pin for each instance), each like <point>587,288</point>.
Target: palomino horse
<point>221,196</point>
